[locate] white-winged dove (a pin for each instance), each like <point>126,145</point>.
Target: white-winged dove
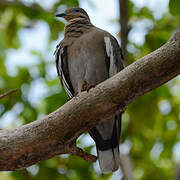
<point>85,57</point>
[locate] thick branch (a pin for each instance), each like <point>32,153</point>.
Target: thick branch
<point>55,133</point>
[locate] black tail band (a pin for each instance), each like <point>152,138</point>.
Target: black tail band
<point>109,143</point>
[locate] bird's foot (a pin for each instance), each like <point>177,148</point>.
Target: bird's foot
<point>89,87</point>
<point>86,87</point>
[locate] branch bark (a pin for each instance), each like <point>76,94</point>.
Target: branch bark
<point>56,133</point>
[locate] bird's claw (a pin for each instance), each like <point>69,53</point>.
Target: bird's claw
<point>86,87</point>
<point>89,87</point>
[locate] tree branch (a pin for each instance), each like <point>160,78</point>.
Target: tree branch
<point>123,7</point>
<point>54,134</point>
<point>126,167</point>
<point>177,172</point>
<point>8,93</point>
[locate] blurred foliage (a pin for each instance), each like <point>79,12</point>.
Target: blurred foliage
<point>174,6</point>
<point>151,129</point>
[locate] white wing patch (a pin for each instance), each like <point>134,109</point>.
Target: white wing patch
<point>109,50</point>
<point>60,72</point>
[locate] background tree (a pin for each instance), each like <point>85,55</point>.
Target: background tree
<point>151,129</point>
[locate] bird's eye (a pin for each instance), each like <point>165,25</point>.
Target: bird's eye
<point>76,10</point>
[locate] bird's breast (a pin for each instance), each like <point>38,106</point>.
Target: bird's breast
<point>86,62</point>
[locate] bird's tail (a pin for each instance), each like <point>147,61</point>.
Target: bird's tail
<point>109,160</point>
<point>107,137</point>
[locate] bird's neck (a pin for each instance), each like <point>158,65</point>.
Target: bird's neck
<point>76,27</point>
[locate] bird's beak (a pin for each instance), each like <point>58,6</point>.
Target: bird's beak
<point>61,14</point>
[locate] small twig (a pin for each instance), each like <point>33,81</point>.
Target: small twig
<point>8,93</point>
<point>79,152</point>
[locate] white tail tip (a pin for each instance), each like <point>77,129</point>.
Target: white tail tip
<point>109,160</point>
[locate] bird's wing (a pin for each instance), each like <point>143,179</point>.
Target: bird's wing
<point>62,69</point>
<point>114,58</point>
<point>107,133</point>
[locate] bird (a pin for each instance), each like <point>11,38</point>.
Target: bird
<point>86,57</point>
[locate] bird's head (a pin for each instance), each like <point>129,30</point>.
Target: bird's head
<point>73,13</point>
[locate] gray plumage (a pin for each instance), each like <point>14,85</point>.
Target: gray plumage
<point>85,57</point>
